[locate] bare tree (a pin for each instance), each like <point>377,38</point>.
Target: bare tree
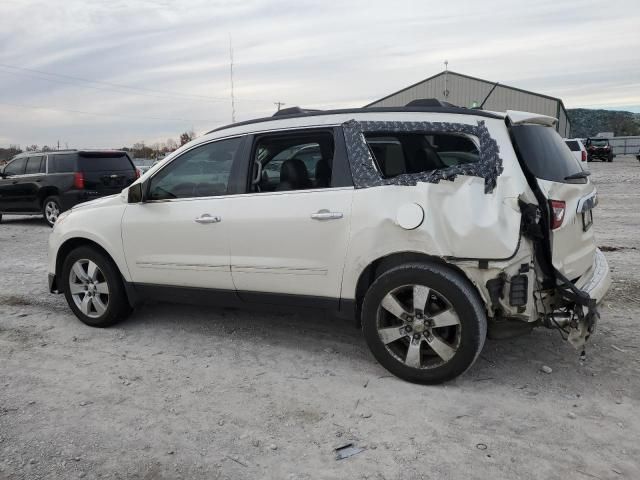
<point>186,137</point>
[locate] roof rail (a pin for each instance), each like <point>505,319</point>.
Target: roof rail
<point>429,102</point>
<point>310,113</point>
<point>294,111</point>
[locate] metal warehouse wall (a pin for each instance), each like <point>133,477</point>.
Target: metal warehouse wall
<point>464,91</point>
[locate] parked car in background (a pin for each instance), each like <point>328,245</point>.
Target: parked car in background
<point>143,164</point>
<point>48,183</point>
<point>428,225</point>
<point>577,148</point>
<point>599,149</point>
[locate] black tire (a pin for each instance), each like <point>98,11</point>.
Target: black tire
<point>610,159</point>
<point>47,214</point>
<point>462,297</point>
<point>117,305</point>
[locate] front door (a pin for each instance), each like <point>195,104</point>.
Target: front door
<point>180,235</point>
<point>11,193</point>
<point>289,232</point>
<point>31,183</point>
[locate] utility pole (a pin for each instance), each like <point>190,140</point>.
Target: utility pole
<point>446,80</point>
<point>58,145</point>
<point>279,104</point>
<point>233,99</point>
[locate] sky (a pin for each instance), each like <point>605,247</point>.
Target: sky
<point>110,73</point>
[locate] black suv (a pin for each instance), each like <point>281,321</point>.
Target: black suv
<point>47,183</point>
<point>599,149</point>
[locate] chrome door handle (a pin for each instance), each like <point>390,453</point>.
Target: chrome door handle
<point>206,218</point>
<point>326,215</point>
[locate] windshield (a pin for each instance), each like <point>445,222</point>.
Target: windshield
<point>599,143</point>
<point>545,153</point>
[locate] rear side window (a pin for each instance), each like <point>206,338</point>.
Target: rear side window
<point>573,145</point>
<point>299,161</point>
<point>16,167</point>
<point>104,162</point>
<point>545,153</point>
<point>64,163</point>
<point>399,153</point>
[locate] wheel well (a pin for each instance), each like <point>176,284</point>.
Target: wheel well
<point>383,264</point>
<point>46,192</point>
<point>72,244</point>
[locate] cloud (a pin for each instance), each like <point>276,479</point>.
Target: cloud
<point>172,54</point>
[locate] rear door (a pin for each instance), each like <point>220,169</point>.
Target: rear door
<point>570,194</point>
<point>289,232</point>
<point>106,172</point>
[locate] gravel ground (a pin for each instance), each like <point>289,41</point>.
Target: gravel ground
<point>197,393</point>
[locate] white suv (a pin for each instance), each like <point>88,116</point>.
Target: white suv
<point>427,224</point>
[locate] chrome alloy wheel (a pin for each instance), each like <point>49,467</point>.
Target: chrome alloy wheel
<point>51,211</point>
<point>89,289</point>
<point>418,326</point>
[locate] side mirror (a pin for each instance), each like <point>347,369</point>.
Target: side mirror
<point>136,193</point>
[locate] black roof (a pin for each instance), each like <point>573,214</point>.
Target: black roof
<point>297,112</point>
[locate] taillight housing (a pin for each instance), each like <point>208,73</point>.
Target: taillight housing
<point>557,209</point>
<point>78,180</point>
<point>137,173</point>
<point>584,155</point>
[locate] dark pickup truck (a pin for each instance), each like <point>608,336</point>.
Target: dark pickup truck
<point>48,183</point>
<point>599,149</point>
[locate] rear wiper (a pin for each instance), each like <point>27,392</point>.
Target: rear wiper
<point>575,176</point>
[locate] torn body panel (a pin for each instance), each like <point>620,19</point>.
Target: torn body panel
<point>473,219</point>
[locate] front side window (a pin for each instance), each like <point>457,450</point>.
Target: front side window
<point>16,167</point>
<point>412,152</point>
<point>298,161</point>
<point>201,172</point>
<point>34,165</point>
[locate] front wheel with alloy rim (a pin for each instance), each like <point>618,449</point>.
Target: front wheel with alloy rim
<point>51,210</point>
<point>425,323</point>
<point>93,288</point>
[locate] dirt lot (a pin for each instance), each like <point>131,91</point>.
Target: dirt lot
<point>194,393</point>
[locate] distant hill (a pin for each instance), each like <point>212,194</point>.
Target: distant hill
<point>587,123</point>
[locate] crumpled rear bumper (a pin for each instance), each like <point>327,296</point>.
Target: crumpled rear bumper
<point>597,280</point>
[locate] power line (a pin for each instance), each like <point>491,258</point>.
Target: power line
<point>82,112</point>
<point>93,87</point>
<point>129,87</point>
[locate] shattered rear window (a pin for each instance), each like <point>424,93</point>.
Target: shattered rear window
<point>410,152</point>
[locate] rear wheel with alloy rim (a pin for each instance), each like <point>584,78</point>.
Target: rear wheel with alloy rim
<point>93,288</point>
<point>51,210</point>
<point>424,323</point>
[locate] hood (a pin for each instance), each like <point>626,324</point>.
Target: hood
<point>100,202</point>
